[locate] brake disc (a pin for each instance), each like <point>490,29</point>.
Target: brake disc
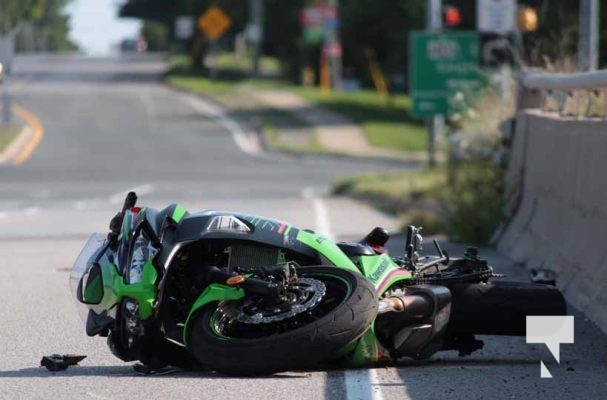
<point>301,296</point>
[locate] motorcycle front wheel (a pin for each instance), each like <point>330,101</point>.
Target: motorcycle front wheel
<point>346,309</point>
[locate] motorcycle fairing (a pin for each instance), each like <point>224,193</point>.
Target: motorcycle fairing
<point>367,350</point>
<point>199,226</point>
<point>114,290</point>
<point>213,292</point>
<point>382,271</point>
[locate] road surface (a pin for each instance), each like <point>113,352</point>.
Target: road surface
<point>110,126</point>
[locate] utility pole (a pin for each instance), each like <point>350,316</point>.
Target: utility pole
<point>255,33</point>
<point>6,102</point>
<point>333,45</point>
<point>589,35</point>
<point>436,125</point>
<point>7,51</point>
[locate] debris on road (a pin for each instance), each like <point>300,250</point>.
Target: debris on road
<point>58,362</point>
<point>543,275</point>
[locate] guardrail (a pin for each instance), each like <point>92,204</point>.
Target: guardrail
<point>556,164</point>
<point>581,95</point>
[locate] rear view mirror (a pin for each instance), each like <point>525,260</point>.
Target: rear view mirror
<point>91,286</point>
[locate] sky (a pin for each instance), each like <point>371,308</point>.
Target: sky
<point>96,27</point>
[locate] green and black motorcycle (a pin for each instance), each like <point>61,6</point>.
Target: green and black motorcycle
<point>246,295</point>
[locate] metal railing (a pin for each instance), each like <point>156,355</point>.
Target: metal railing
<point>580,95</point>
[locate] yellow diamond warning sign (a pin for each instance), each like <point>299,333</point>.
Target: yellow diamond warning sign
<point>214,22</point>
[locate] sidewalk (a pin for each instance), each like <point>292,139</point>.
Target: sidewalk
<point>335,133</point>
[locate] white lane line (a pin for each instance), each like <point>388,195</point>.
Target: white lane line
<point>363,384</point>
<point>32,211</point>
<point>118,198</point>
<point>245,142</point>
<point>81,205</point>
<point>96,396</point>
<point>148,106</point>
<point>360,384</point>
<point>321,213</point>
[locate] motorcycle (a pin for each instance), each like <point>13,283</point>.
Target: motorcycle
<point>247,295</point>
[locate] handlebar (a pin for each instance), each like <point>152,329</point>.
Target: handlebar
<point>129,201</point>
<point>116,223</point>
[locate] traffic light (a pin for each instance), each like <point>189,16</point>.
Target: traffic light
<point>527,19</point>
<point>452,18</point>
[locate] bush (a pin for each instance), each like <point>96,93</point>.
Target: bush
<point>473,205</point>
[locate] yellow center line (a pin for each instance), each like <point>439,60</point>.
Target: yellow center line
<point>34,123</point>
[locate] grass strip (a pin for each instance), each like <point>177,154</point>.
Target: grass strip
<point>8,133</point>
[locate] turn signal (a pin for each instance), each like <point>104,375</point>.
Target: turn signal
<point>235,280</point>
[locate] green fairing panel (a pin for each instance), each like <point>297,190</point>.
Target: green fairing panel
<point>126,226</point>
<point>213,292</point>
<point>144,291</point>
<point>328,249</point>
<point>382,271</point>
<point>367,351</point>
<point>178,213</point>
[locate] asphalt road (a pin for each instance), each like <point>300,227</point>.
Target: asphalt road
<point>111,126</point>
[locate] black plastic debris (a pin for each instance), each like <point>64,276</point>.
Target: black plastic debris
<point>58,362</point>
<point>543,275</point>
<point>147,370</point>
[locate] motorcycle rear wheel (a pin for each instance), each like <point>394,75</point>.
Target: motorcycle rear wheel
<point>501,308</point>
<point>346,310</point>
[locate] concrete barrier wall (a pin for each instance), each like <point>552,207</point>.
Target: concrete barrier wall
<point>561,221</point>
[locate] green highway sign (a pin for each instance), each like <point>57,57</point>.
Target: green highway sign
<point>441,64</point>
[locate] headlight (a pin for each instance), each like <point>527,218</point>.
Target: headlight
<point>143,251</point>
<point>227,223</point>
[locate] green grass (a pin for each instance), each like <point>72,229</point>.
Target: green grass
<point>413,196</point>
<point>398,187</point>
<point>201,85</point>
<point>398,135</point>
<point>8,133</point>
<point>384,121</point>
<point>462,200</point>
<point>267,65</point>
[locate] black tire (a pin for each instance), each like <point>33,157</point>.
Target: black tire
<point>501,308</point>
<point>304,346</point>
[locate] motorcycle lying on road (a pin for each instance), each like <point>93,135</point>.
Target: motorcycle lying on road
<point>243,294</point>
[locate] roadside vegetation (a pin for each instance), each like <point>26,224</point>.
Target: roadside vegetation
<point>383,120</point>
<point>462,198</point>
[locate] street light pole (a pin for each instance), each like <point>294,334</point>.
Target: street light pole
<point>7,50</point>
<point>255,32</point>
<point>589,35</point>
<point>332,38</point>
<point>436,124</point>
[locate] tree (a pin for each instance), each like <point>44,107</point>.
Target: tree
<point>156,34</point>
<point>12,12</point>
<point>43,21</point>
